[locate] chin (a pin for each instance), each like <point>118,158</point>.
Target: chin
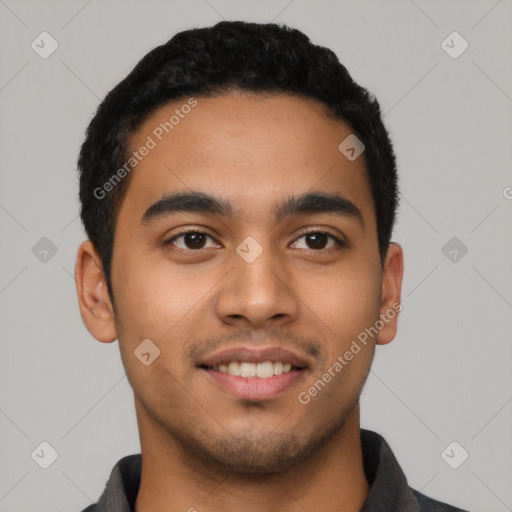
<point>251,457</point>
<point>256,454</point>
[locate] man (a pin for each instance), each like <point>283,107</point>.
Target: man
<point>239,192</point>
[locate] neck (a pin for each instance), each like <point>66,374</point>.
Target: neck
<point>332,478</point>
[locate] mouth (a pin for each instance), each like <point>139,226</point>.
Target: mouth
<point>252,374</point>
<point>245,369</point>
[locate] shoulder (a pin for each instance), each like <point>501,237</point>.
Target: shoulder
<point>122,486</point>
<point>427,504</point>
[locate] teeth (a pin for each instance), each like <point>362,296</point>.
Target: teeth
<point>262,370</point>
<point>265,370</point>
<point>247,370</point>
<point>234,368</point>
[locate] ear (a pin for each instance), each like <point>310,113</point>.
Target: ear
<point>93,298</point>
<point>391,292</point>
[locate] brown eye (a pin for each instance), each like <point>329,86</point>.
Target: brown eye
<point>191,240</point>
<point>317,240</point>
<point>194,240</point>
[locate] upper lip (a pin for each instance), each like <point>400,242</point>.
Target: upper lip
<point>255,355</point>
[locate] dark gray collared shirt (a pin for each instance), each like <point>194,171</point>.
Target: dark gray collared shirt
<point>389,490</point>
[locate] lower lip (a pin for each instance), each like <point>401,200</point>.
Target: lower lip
<point>254,388</point>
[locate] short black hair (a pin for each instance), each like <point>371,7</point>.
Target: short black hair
<point>208,62</point>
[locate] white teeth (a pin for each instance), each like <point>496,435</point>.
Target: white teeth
<point>247,370</point>
<point>262,370</point>
<point>278,368</point>
<point>234,368</point>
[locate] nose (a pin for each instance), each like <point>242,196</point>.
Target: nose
<point>258,293</point>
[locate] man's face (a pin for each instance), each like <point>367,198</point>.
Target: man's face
<point>247,279</point>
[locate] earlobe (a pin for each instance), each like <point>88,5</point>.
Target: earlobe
<point>93,299</point>
<point>391,293</point>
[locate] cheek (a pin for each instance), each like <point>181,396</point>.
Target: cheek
<point>164,304</point>
<point>152,304</point>
<point>151,297</point>
<point>347,307</point>
<point>346,302</point>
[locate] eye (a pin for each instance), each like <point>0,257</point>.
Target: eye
<point>191,240</point>
<point>197,240</point>
<point>317,240</point>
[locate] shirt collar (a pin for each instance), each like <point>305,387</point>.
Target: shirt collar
<point>388,486</point>
<point>389,489</point>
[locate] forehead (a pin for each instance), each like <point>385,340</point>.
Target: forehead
<point>246,148</point>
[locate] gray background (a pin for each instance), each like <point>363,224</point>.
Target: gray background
<point>445,378</point>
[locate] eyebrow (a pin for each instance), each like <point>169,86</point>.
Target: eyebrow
<point>199,202</point>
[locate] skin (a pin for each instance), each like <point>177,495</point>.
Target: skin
<point>203,448</point>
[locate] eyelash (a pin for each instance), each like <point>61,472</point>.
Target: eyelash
<point>339,243</point>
